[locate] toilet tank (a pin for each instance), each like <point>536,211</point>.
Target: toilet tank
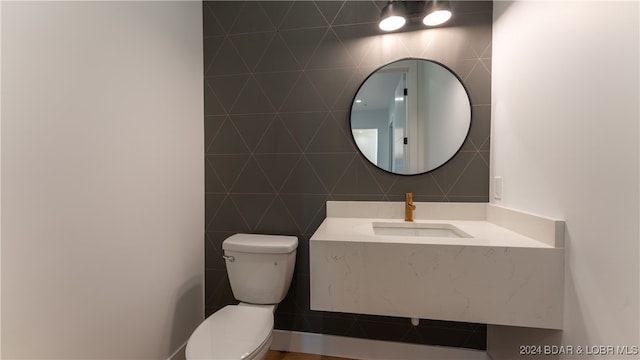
<point>260,267</point>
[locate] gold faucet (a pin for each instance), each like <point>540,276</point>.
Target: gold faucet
<point>409,207</point>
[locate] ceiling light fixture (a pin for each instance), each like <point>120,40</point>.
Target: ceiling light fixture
<point>397,13</point>
<point>436,18</point>
<point>393,16</point>
<point>438,13</point>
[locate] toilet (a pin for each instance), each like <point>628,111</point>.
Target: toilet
<point>260,268</point>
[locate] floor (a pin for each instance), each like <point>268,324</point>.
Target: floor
<point>281,355</point>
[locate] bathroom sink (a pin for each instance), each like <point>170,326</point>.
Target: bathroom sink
<point>418,229</point>
<point>463,262</point>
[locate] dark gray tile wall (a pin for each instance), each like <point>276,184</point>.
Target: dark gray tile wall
<point>279,80</point>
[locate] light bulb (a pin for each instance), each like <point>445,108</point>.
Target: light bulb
<point>437,18</point>
<point>392,23</point>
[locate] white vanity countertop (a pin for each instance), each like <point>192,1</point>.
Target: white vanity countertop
<point>487,224</point>
<point>510,271</point>
<point>483,233</point>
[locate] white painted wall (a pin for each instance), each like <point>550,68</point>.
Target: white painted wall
<point>565,137</point>
<point>378,119</point>
<point>444,115</point>
<point>102,178</point>
<point>0,179</point>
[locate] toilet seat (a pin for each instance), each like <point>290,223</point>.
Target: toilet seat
<point>233,332</point>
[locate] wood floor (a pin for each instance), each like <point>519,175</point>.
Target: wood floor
<point>281,355</point>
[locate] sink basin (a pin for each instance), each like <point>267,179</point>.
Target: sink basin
<point>418,229</point>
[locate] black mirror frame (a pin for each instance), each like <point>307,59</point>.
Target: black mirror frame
<point>466,137</point>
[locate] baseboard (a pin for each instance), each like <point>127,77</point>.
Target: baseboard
<point>353,348</point>
<point>179,354</point>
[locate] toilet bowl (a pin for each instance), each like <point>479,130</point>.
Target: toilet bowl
<point>233,332</point>
<point>260,268</point>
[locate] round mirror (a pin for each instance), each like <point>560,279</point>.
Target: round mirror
<point>410,116</point>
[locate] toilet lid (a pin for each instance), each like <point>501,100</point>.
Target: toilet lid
<point>232,332</point>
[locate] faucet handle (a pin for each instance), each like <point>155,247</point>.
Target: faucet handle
<point>408,198</point>
<point>409,207</point>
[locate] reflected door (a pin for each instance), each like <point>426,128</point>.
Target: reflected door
<point>398,124</point>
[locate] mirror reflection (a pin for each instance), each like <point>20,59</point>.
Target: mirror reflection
<point>410,116</point>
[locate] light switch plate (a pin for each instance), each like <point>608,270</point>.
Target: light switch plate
<point>497,187</point>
